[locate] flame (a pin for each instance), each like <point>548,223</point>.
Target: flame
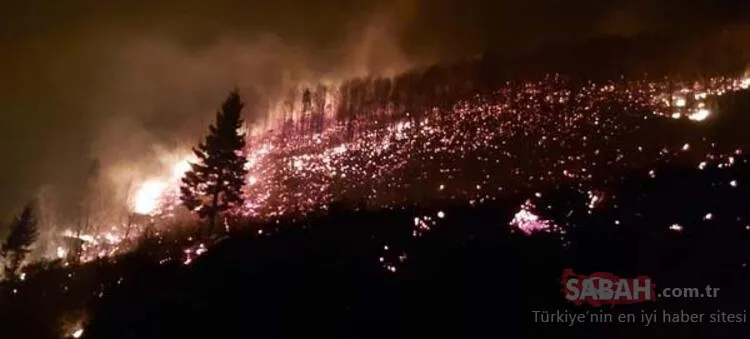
<point>700,115</point>
<point>181,168</point>
<point>528,222</point>
<point>61,252</point>
<point>147,197</point>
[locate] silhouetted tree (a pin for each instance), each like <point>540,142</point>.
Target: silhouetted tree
<point>306,100</point>
<point>23,234</point>
<point>306,114</point>
<point>85,207</point>
<point>319,108</point>
<point>214,183</point>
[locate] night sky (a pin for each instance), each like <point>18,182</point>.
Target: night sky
<point>121,80</point>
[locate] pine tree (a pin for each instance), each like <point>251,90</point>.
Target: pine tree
<point>23,234</point>
<point>214,183</point>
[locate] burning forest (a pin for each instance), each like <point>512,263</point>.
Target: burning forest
<point>377,175</point>
<point>398,150</point>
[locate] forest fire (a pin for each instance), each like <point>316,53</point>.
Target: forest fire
<point>297,170</point>
<point>399,168</point>
<point>147,197</point>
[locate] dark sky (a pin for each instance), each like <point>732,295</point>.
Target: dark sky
<point>124,79</point>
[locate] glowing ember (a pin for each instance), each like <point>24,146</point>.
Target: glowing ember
<point>528,222</point>
<point>594,199</point>
<point>147,197</point>
<point>252,180</point>
<point>78,333</point>
<point>61,252</point>
<point>676,227</point>
<point>194,252</point>
<point>700,115</point>
<point>421,226</point>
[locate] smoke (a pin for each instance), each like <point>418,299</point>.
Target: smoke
<point>135,98</point>
<point>161,96</point>
<point>126,87</point>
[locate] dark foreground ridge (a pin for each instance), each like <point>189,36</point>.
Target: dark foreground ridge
<point>470,276</point>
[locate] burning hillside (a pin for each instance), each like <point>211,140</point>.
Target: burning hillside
<point>402,150</point>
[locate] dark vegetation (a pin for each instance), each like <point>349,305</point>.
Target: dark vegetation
<point>214,183</point>
<point>678,56</point>
<point>471,276</point>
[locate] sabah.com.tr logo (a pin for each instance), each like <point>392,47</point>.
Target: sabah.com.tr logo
<point>603,288</point>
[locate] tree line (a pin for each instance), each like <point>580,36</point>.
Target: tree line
<point>440,86</point>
